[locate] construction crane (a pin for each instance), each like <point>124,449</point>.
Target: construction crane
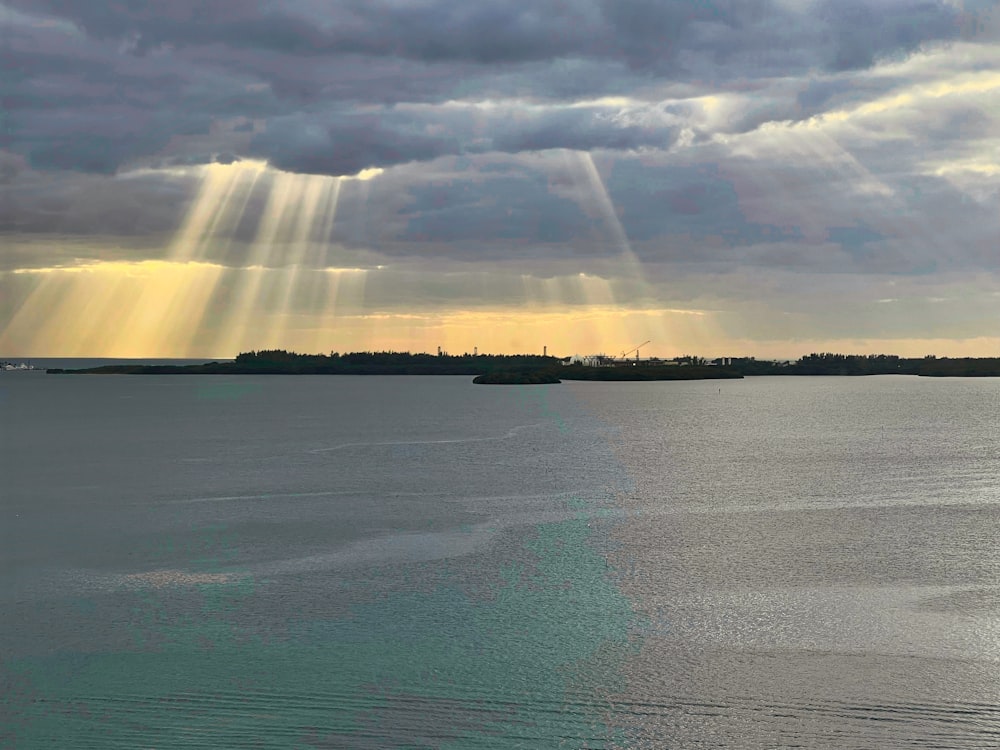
<point>634,349</point>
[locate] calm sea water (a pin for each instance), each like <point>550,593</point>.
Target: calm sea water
<point>401,562</point>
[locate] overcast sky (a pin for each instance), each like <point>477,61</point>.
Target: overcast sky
<point>735,177</point>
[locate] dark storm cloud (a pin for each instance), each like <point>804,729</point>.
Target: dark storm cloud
<point>153,70</point>
<point>347,142</point>
<point>143,25</point>
<point>497,31</point>
<point>855,239</point>
<point>694,201</point>
<point>581,129</point>
<point>92,152</point>
<point>510,210</point>
<point>92,206</point>
<point>647,33</point>
<point>860,31</point>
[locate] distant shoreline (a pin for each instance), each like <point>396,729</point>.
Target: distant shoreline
<point>493,369</point>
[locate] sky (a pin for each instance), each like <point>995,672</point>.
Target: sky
<point>196,178</point>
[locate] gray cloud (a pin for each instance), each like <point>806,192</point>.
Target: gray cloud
<point>135,76</point>
<point>345,142</point>
<point>861,31</point>
<point>648,33</point>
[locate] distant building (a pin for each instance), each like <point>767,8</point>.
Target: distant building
<point>589,360</point>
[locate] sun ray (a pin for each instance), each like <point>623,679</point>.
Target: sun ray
<point>41,315</point>
<point>325,239</point>
<point>89,302</point>
<point>168,315</point>
<point>318,208</point>
<point>315,291</point>
<point>188,298</point>
<point>26,295</point>
<point>244,312</point>
<point>134,308</point>
<point>218,204</point>
<point>173,295</point>
<point>594,290</point>
<point>223,238</point>
<point>631,267</point>
<point>343,294</point>
<point>225,227</point>
<point>815,157</point>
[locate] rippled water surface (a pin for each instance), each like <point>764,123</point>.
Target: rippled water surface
<point>377,562</point>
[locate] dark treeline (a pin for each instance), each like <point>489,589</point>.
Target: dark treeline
<point>281,362</point>
<point>511,368</point>
<point>872,364</point>
<point>968,367</point>
<point>388,363</point>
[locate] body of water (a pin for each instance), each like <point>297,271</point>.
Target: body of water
<point>407,562</point>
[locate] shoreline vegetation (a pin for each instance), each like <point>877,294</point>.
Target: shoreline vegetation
<point>528,369</point>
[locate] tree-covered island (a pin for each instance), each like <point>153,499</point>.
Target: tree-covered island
<point>281,362</point>
<point>502,369</point>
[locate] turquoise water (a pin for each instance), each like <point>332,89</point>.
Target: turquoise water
<point>436,669</point>
<point>499,627</point>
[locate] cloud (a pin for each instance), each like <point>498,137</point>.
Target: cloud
<point>764,161</point>
<point>859,31</point>
<point>647,33</point>
<point>344,142</point>
<point>99,86</point>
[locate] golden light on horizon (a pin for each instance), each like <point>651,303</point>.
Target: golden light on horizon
<point>334,316</point>
<point>511,330</point>
<point>113,308</point>
<point>292,287</point>
<point>283,294</point>
<point>195,300</point>
<point>173,303</point>
<point>604,207</point>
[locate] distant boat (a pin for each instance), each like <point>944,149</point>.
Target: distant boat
<point>20,367</point>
